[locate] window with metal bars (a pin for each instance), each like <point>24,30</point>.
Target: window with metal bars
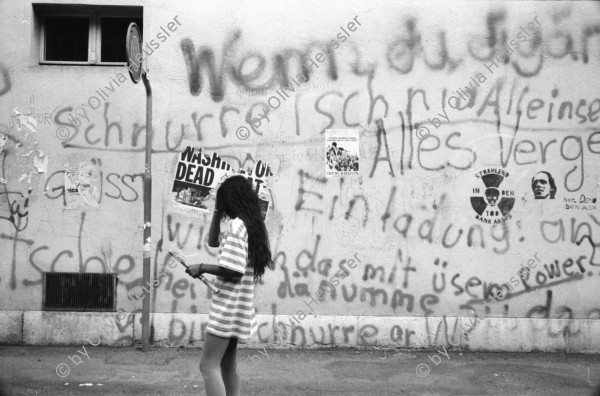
<point>78,34</point>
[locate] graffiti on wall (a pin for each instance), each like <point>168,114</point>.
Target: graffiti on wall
<point>442,213</point>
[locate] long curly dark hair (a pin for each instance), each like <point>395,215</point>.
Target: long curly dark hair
<point>237,198</point>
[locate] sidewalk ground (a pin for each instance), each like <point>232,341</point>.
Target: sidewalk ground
<point>32,370</point>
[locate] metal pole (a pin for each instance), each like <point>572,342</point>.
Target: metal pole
<point>147,217</point>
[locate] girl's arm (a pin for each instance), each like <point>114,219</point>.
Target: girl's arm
<point>198,269</point>
<point>215,229</point>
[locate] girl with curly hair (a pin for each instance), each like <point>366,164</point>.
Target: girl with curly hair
<point>244,253</point>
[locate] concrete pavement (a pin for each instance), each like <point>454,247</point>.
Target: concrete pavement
<point>34,370</point>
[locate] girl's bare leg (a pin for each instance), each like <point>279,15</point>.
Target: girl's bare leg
<point>228,369</point>
<point>210,364</point>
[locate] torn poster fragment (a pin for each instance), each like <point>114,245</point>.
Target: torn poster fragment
<point>3,140</point>
<point>264,207</point>
<point>82,187</point>
<point>25,176</point>
<point>26,120</point>
<point>258,178</point>
<point>40,161</point>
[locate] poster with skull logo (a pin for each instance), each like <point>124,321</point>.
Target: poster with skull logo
<point>491,202</point>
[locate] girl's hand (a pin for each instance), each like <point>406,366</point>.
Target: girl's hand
<point>195,270</point>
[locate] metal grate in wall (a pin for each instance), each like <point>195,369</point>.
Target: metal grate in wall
<point>67,291</point>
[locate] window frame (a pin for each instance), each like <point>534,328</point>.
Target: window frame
<point>94,15</point>
<point>98,33</point>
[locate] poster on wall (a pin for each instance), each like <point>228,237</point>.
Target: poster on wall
<point>492,196</point>
<point>259,178</point>
<point>341,152</point>
<point>264,207</point>
<point>197,175</point>
<point>82,186</point>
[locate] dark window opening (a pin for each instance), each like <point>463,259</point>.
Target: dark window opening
<point>114,32</point>
<point>67,38</point>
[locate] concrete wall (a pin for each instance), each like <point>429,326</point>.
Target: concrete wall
<point>426,261</point>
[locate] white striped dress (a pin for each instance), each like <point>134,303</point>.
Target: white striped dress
<point>232,310</point>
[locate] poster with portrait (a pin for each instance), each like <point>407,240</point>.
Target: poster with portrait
<point>543,185</point>
<point>341,152</point>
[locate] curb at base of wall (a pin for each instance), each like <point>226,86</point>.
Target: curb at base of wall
<point>288,331</point>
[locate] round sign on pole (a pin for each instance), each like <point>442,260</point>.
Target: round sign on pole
<point>133,49</point>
